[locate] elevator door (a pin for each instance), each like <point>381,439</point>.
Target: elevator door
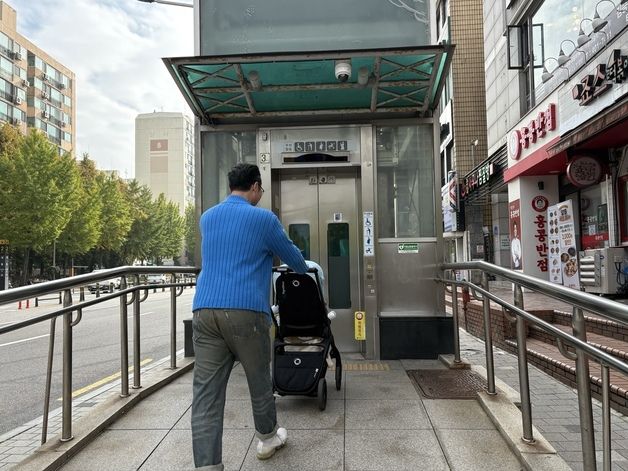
<point>319,210</point>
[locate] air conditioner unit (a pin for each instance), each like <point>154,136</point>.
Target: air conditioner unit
<point>25,83</point>
<point>17,100</point>
<point>44,77</point>
<point>17,56</point>
<point>45,114</point>
<point>61,86</point>
<point>603,271</point>
<point>63,124</point>
<point>44,96</point>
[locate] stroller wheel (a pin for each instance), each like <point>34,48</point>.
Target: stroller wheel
<point>338,374</point>
<point>322,394</point>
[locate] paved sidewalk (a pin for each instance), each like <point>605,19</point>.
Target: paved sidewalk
<point>376,422</point>
<point>19,443</point>
<point>554,407</point>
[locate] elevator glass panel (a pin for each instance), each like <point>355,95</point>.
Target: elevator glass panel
<point>300,235</point>
<point>339,271</point>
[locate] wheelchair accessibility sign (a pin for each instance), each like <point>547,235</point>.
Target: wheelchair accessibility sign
<point>360,325</point>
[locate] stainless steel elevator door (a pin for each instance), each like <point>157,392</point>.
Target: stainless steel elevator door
<point>319,210</point>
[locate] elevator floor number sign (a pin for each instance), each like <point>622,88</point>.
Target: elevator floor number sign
<point>360,325</point>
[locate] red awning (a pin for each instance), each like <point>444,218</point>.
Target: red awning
<point>539,162</point>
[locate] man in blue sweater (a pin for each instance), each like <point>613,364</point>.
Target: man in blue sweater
<point>232,314</point>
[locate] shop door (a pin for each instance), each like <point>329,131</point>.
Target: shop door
<point>319,209</point>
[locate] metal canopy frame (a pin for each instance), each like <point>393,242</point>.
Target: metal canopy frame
<point>222,93</point>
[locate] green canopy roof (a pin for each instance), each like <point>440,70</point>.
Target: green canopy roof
<point>268,87</point>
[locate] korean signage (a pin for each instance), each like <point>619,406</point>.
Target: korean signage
<point>563,257</point>
<point>449,199</point>
<point>539,224</point>
<point>595,88</point>
<point>514,216</point>
<point>584,171</point>
<point>536,130</point>
<point>601,79</point>
<point>478,178</point>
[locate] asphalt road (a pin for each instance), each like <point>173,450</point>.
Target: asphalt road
<point>96,351</point>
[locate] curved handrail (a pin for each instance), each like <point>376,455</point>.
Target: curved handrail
<point>594,352</point>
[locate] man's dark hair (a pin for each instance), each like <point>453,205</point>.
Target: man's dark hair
<point>243,176</point>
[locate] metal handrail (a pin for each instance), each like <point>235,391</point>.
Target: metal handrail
<point>611,310</point>
<point>66,285</point>
<point>604,307</point>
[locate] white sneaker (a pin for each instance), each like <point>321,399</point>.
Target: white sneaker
<point>267,448</point>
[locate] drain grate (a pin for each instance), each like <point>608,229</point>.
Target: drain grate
<point>447,384</point>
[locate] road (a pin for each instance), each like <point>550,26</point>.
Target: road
<point>96,352</point>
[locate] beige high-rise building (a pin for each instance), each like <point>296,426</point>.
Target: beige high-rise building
<point>164,155</point>
<point>36,90</point>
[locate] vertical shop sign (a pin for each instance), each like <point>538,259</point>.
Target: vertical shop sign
<point>555,268</point>
<point>539,204</point>
<point>562,224</point>
<point>514,213</point>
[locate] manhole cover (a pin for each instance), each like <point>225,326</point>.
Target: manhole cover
<point>447,384</point>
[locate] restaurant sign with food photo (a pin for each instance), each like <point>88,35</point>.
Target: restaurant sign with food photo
<point>563,257</point>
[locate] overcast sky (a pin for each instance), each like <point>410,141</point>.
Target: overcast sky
<point>115,48</point>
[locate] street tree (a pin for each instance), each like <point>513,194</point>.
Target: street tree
<point>116,213</point>
<point>84,230</point>
<point>138,243</point>
<point>168,239</point>
<point>40,191</point>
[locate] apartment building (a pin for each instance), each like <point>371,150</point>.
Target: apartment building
<point>164,155</point>
<point>36,90</point>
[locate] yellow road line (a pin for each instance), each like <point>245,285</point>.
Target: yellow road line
<point>106,380</point>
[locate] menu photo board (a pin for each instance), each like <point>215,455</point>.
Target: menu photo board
<point>563,256</point>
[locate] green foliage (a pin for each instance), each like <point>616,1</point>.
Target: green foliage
<point>92,217</point>
<point>116,213</point>
<point>140,238</point>
<point>84,229</point>
<point>40,190</point>
<point>168,236</point>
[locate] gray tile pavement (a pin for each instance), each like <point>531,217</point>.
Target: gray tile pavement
<point>376,422</point>
<point>554,407</point>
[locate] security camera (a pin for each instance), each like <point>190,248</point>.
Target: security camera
<point>343,70</point>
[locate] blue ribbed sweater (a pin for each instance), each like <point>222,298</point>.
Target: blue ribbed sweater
<point>237,247</point>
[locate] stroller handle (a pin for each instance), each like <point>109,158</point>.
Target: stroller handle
<point>290,270</point>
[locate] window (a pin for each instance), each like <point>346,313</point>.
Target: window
<point>542,34</point>
<point>338,272</point>
<point>6,68</point>
<point>405,181</point>
<point>67,101</point>
<point>221,151</point>
<point>300,235</point>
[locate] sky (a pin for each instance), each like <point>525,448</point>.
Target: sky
<point>115,48</point>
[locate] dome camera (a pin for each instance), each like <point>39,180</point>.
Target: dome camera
<point>343,70</point>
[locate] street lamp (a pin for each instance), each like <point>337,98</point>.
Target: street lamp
<point>548,75</point>
<point>564,58</point>
<point>166,2</point>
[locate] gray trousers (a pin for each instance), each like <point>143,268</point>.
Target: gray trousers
<point>222,336</point>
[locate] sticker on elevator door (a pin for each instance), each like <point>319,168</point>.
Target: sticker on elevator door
<point>369,233</point>
<point>359,323</point>
<point>337,217</point>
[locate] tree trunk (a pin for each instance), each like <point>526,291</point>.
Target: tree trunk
<point>25,270</point>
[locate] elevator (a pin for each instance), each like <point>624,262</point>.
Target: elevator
<point>319,210</point>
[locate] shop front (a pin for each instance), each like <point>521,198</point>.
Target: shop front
<point>572,147</point>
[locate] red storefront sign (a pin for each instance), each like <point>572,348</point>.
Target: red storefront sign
<point>537,129</point>
<point>584,171</point>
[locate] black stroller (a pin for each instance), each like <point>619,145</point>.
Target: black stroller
<point>303,340</point>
